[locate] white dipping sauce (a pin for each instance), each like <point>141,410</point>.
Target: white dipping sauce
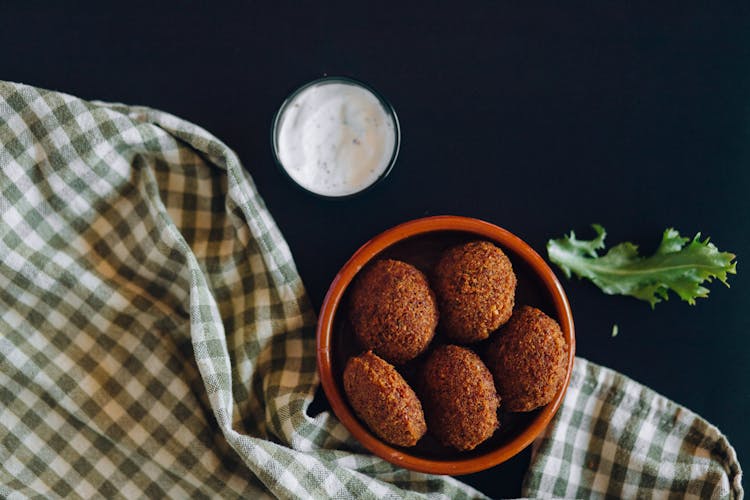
<point>335,138</point>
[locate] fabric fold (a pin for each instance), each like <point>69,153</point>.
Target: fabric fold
<point>156,337</point>
<point>616,438</point>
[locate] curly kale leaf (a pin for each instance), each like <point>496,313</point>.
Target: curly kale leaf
<point>679,264</point>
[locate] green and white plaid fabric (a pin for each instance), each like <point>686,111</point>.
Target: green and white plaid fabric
<point>615,438</point>
<point>156,340</point>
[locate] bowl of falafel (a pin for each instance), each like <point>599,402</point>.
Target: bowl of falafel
<point>445,345</point>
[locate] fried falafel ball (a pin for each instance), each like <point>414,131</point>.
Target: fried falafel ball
<point>384,400</point>
<point>475,285</point>
<point>393,310</point>
<point>459,397</point>
<point>528,359</point>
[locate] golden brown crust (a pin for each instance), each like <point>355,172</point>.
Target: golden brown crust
<point>393,310</point>
<point>475,285</point>
<point>459,397</point>
<point>382,398</point>
<point>528,358</point>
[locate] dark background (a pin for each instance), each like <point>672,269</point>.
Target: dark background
<point>538,119</point>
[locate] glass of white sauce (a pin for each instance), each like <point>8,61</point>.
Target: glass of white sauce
<point>335,137</point>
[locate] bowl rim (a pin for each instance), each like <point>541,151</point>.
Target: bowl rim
<point>361,258</point>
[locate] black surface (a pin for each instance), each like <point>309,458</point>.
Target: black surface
<point>539,119</point>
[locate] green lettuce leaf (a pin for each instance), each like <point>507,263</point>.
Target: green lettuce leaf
<point>679,264</point>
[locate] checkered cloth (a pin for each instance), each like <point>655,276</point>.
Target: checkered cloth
<point>156,340</point>
<point>615,438</point>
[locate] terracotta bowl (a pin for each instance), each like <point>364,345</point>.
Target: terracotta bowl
<point>420,242</point>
